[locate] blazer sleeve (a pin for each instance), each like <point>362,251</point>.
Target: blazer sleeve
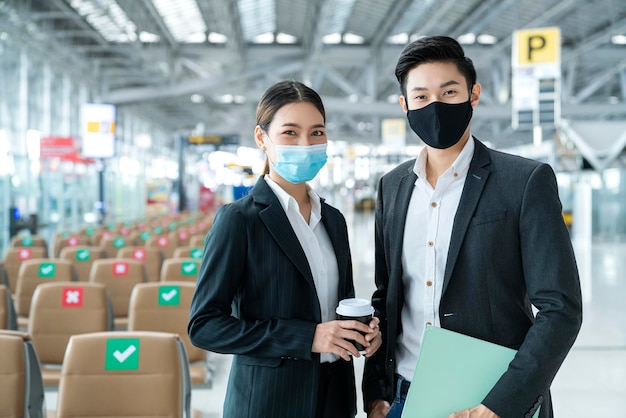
<point>375,384</point>
<point>212,325</point>
<point>553,286</point>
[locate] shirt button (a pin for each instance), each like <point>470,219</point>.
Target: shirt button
<point>433,204</point>
<point>429,283</point>
<point>429,323</point>
<point>430,243</point>
<point>456,174</point>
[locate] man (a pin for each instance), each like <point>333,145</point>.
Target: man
<point>467,238</point>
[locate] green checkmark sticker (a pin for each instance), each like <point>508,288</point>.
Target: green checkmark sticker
<point>83,255</point>
<point>196,253</point>
<point>188,268</point>
<point>119,242</point>
<point>169,295</point>
<point>122,354</point>
<point>46,270</point>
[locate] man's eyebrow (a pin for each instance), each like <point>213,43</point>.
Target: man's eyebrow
<point>446,84</point>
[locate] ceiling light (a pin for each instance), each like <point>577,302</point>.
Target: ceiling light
<point>226,98</point>
<point>147,37</point>
<point>619,39</point>
<point>217,38</point>
<point>285,38</point>
<point>351,38</point>
<point>486,39</point>
<point>196,38</point>
<point>467,39</point>
<point>264,38</point>
<point>399,39</point>
<point>332,38</point>
<point>197,98</point>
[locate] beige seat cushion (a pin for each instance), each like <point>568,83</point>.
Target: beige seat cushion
<point>82,258</point>
<point>180,269</point>
<point>60,310</point>
<point>123,374</point>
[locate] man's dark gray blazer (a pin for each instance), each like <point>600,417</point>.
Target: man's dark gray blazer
<point>509,248</point>
<point>256,298</point>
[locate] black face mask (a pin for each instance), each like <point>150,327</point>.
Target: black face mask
<point>440,125</point>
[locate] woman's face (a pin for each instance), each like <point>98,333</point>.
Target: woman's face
<point>297,123</point>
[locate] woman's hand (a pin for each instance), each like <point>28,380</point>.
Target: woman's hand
<point>333,336</point>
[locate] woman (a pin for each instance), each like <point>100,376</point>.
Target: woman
<point>275,265</point>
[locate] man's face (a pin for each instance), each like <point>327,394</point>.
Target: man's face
<point>435,82</point>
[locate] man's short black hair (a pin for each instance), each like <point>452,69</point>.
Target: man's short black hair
<point>434,49</point>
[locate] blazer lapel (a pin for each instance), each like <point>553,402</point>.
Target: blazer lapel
<point>275,219</point>
<point>474,185</point>
<point>399,212</point>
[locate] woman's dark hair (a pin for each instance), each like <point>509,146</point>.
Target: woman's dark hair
<point>434,49</point>
<point>280,94</point>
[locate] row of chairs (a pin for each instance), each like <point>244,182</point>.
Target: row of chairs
<point>119,276</point>
<point>83,257</point>
<point>104,374</point>
<point>60,310</point>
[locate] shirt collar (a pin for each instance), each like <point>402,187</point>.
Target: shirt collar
<point>460,166</point>
<point>286,199</point>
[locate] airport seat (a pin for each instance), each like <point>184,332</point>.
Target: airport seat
<point>29,241</point>
<point>3,274</point>
<point>164,244</point>
<point>150,257</point>
<point>111,245</point>
<point>90,232</point>
<point>188,252</point>
<point>197,240</point>
<point>60,310</point>
<point>8,318</point>
<point>165,307</point>
<point>82,258</point>
<point>119,275</point>
<point>13,259</point>
<point>124,374</point>
<point>22,392</point>
<point>61,241</point>
<point>180,270</point>
<point>181,236</point>
<point>98,235</point>
<point>33,273</point>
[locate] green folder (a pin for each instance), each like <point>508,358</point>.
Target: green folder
<point>454,372</point>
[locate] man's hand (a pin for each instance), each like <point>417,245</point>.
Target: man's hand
<point>378,409</point>
<point>481,411</point>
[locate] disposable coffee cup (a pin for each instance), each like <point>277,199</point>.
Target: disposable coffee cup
<point>357,309</point>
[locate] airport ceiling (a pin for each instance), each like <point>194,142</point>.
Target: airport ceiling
<point>201,65</point>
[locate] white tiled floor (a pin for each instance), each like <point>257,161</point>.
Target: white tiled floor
<point>592,381</point>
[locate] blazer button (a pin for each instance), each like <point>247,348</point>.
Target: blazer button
<point>540,399</point>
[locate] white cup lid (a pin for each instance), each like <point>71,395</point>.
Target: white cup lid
<point>355,307</point>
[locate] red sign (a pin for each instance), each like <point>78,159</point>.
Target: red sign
<point>162,242</point>
<point>120,269</point>
<point>139,254</point>
<point>72,297</point>
<point>61,147</point>
<point>206,199</point>
<point>72,241</point>
<point>24,254</point>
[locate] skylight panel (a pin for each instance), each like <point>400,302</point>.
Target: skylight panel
<point>340,15</point>
<point>107,18</point>
<point>258,17</point>
<point>183,19</point>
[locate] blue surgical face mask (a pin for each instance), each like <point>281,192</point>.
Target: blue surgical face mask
<point>299,163</point>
